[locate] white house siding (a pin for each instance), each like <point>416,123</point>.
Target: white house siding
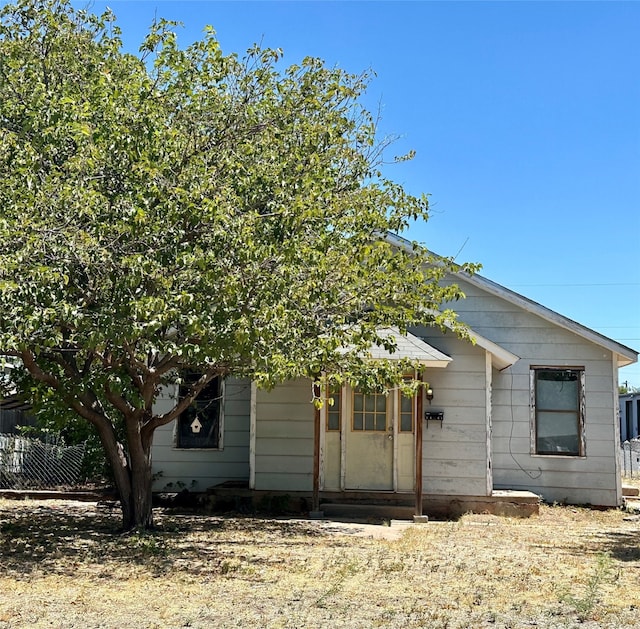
<point>284,437</point>
<point>455,455</point>
<point>198,469</point>
<point>592,479</point>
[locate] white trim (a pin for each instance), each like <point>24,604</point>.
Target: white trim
<point>395,429</point>
<point>323,427</point>
<point>252,435</point>
<point>345,416</point>
<point>501,358</point>
<point>488,405</point>
<point>616,432</point>
<point>221,419</point>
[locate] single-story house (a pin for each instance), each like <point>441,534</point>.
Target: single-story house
<point>629,416</point>
<point>530,404</point>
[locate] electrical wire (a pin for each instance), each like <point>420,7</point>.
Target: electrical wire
<point>531,475</point>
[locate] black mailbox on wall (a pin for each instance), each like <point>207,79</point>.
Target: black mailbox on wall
<point>437,416</point>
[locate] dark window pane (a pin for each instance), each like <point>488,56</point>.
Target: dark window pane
<point>368,422</point>
<point>199,425</point>
<point>558,433</point>
<point>369,403</point>
<point>333,410</point>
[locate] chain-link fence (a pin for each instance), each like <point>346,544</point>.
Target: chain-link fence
<point>27,463</point>
<point>630,458</point>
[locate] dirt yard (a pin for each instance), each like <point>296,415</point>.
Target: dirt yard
<point>62,565</point>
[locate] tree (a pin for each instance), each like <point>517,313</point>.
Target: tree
<point>185,209</point>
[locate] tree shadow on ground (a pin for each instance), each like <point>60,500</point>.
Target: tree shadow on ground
<point>66,538</point>
<point>620,545</point>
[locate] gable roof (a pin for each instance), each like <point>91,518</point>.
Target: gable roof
<point>624,355</point>
<point>408,346</point>
<point>501,358</point>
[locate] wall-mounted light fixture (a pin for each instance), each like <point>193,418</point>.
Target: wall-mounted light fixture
<point>429,394</point>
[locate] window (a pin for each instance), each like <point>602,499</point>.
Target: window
<point>200,425</point>
<point>558,411</point>
<point>369,412</point>
<point>405,410</point>
<point>334,410</point>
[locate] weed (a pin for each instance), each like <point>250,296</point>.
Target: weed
<point>584,605</point>
<point>227,567</point>
<point>145,544</point>
<point>346,570</point>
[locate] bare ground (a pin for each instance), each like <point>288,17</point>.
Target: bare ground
<point>62,565</point>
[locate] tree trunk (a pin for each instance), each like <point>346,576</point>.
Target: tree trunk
<point>132,475</point>
<point>138,513</point>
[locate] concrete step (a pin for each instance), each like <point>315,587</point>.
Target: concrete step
<point>367,512</point>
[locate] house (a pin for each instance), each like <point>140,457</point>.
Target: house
<point>629,416</point>
<point>530,405</point>
<point>14,412</point>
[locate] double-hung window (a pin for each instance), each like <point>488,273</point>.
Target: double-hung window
<point>557,410</point>
<point>200,425</point>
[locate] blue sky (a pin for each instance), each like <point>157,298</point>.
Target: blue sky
<point>525,117</point>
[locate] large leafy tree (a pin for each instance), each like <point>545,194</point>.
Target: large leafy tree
<point>183,209</point>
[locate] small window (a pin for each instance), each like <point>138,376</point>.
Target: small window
<point>406,413</point>
<point>406,410</point>
<point>200,425</point>
<point>334,410</point>
<point>369,412</point>
<point>558,411</point>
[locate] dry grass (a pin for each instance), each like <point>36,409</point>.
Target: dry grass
<point>61,565</point>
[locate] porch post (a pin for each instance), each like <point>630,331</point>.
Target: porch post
<point>419,420</point>
<point>315,507</point>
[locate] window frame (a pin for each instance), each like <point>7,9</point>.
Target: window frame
<point>334,409</point>
<point>177,445</point>
<point>413,401</point>
<point>580,411</point>
<point>387,412</point>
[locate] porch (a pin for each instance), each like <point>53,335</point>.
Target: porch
<point>372,504</point>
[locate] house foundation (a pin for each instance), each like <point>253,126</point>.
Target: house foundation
<point>372,504</point>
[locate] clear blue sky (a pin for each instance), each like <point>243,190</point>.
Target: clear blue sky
<point>525,117</point>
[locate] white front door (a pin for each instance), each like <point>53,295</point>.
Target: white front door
<point>369,446</point>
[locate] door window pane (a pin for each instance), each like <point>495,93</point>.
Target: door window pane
<point>369,412</point>
<point>406,413</point>
<point>334,410</point>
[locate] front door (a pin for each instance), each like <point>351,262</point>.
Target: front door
<point>369,442</point>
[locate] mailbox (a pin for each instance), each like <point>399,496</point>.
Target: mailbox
<point>437,416</point>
